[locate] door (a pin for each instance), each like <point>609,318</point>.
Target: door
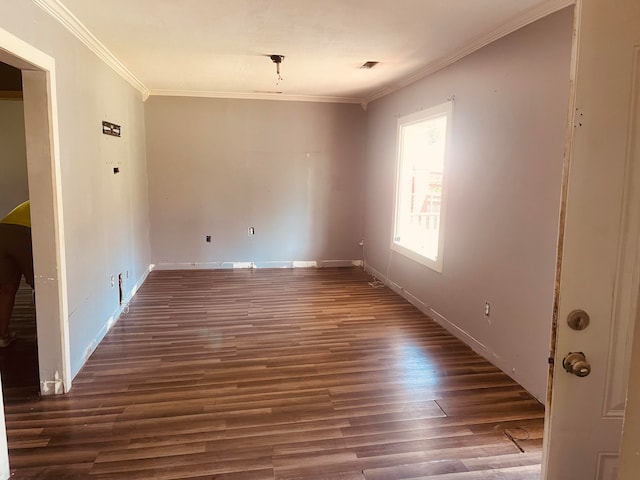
<point>599,250</point>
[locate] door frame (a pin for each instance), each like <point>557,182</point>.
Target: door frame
<point>45,192</point>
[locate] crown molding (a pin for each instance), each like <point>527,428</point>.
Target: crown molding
<point>68,20</point>
<point>255,96</point>
<point>516,23</point>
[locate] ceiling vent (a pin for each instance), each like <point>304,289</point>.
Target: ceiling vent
<point>369,65</point>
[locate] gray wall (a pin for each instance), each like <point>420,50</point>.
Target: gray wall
<point>291,170</point>
<point>504,182</point>
<point>14,187</point>
<point>106,224</point>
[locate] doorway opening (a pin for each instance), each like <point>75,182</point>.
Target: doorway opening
<point>39,94</point>
<point>19,360</point>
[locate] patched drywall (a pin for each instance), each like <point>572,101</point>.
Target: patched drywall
<point>504,179</point>
<point>14,187</point>
<point>292,171</point>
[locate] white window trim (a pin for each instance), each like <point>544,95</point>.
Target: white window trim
<point>422,115</point>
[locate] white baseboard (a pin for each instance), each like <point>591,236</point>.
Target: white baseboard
<point>274,264</point>
<point>113,319</point>
<point>477,346</point>
<point>440,319</point>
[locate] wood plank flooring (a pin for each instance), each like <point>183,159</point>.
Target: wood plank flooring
<point>278,374</point>
<point>19,362</point>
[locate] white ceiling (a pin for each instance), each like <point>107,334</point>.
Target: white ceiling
<point>221,47</point>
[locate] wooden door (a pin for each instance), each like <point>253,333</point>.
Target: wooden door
<point>600,248</point>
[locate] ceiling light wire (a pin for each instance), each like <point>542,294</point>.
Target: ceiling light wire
<point>277,59</point>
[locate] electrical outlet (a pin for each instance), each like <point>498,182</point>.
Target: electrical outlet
<point>251,231</point>
<point>361,243</point>
<point>487,309</point>
<point>113,281</point>
<point>207,239</point>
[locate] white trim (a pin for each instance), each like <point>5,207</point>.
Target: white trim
<point>476,345</point>
<point>24,56</point>
<point>463,335</point>
<point>189,266</point>
<point>516,23</point>
<point>339,263</point>
<point>434,315</point>
<point>115,316</point>
<point>443,109</point>
<point>248,265</point>
<point>31,57</point>
<point>68,20</point>
<point>547,445</point>
<point>244,265</point>
<point>304,264</point>
<point>61,383</point>
<point>255,96</point>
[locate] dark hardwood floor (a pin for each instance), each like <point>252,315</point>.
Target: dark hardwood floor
<point>287,374</point>
<point>19,361</point>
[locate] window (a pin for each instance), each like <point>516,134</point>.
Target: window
<point>418,230</point>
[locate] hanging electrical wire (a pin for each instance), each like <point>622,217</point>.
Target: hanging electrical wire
<point>277,59</point>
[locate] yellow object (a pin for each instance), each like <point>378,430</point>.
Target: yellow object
<point>21,215</point>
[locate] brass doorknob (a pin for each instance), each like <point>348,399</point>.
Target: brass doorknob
<point>576,363</point>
